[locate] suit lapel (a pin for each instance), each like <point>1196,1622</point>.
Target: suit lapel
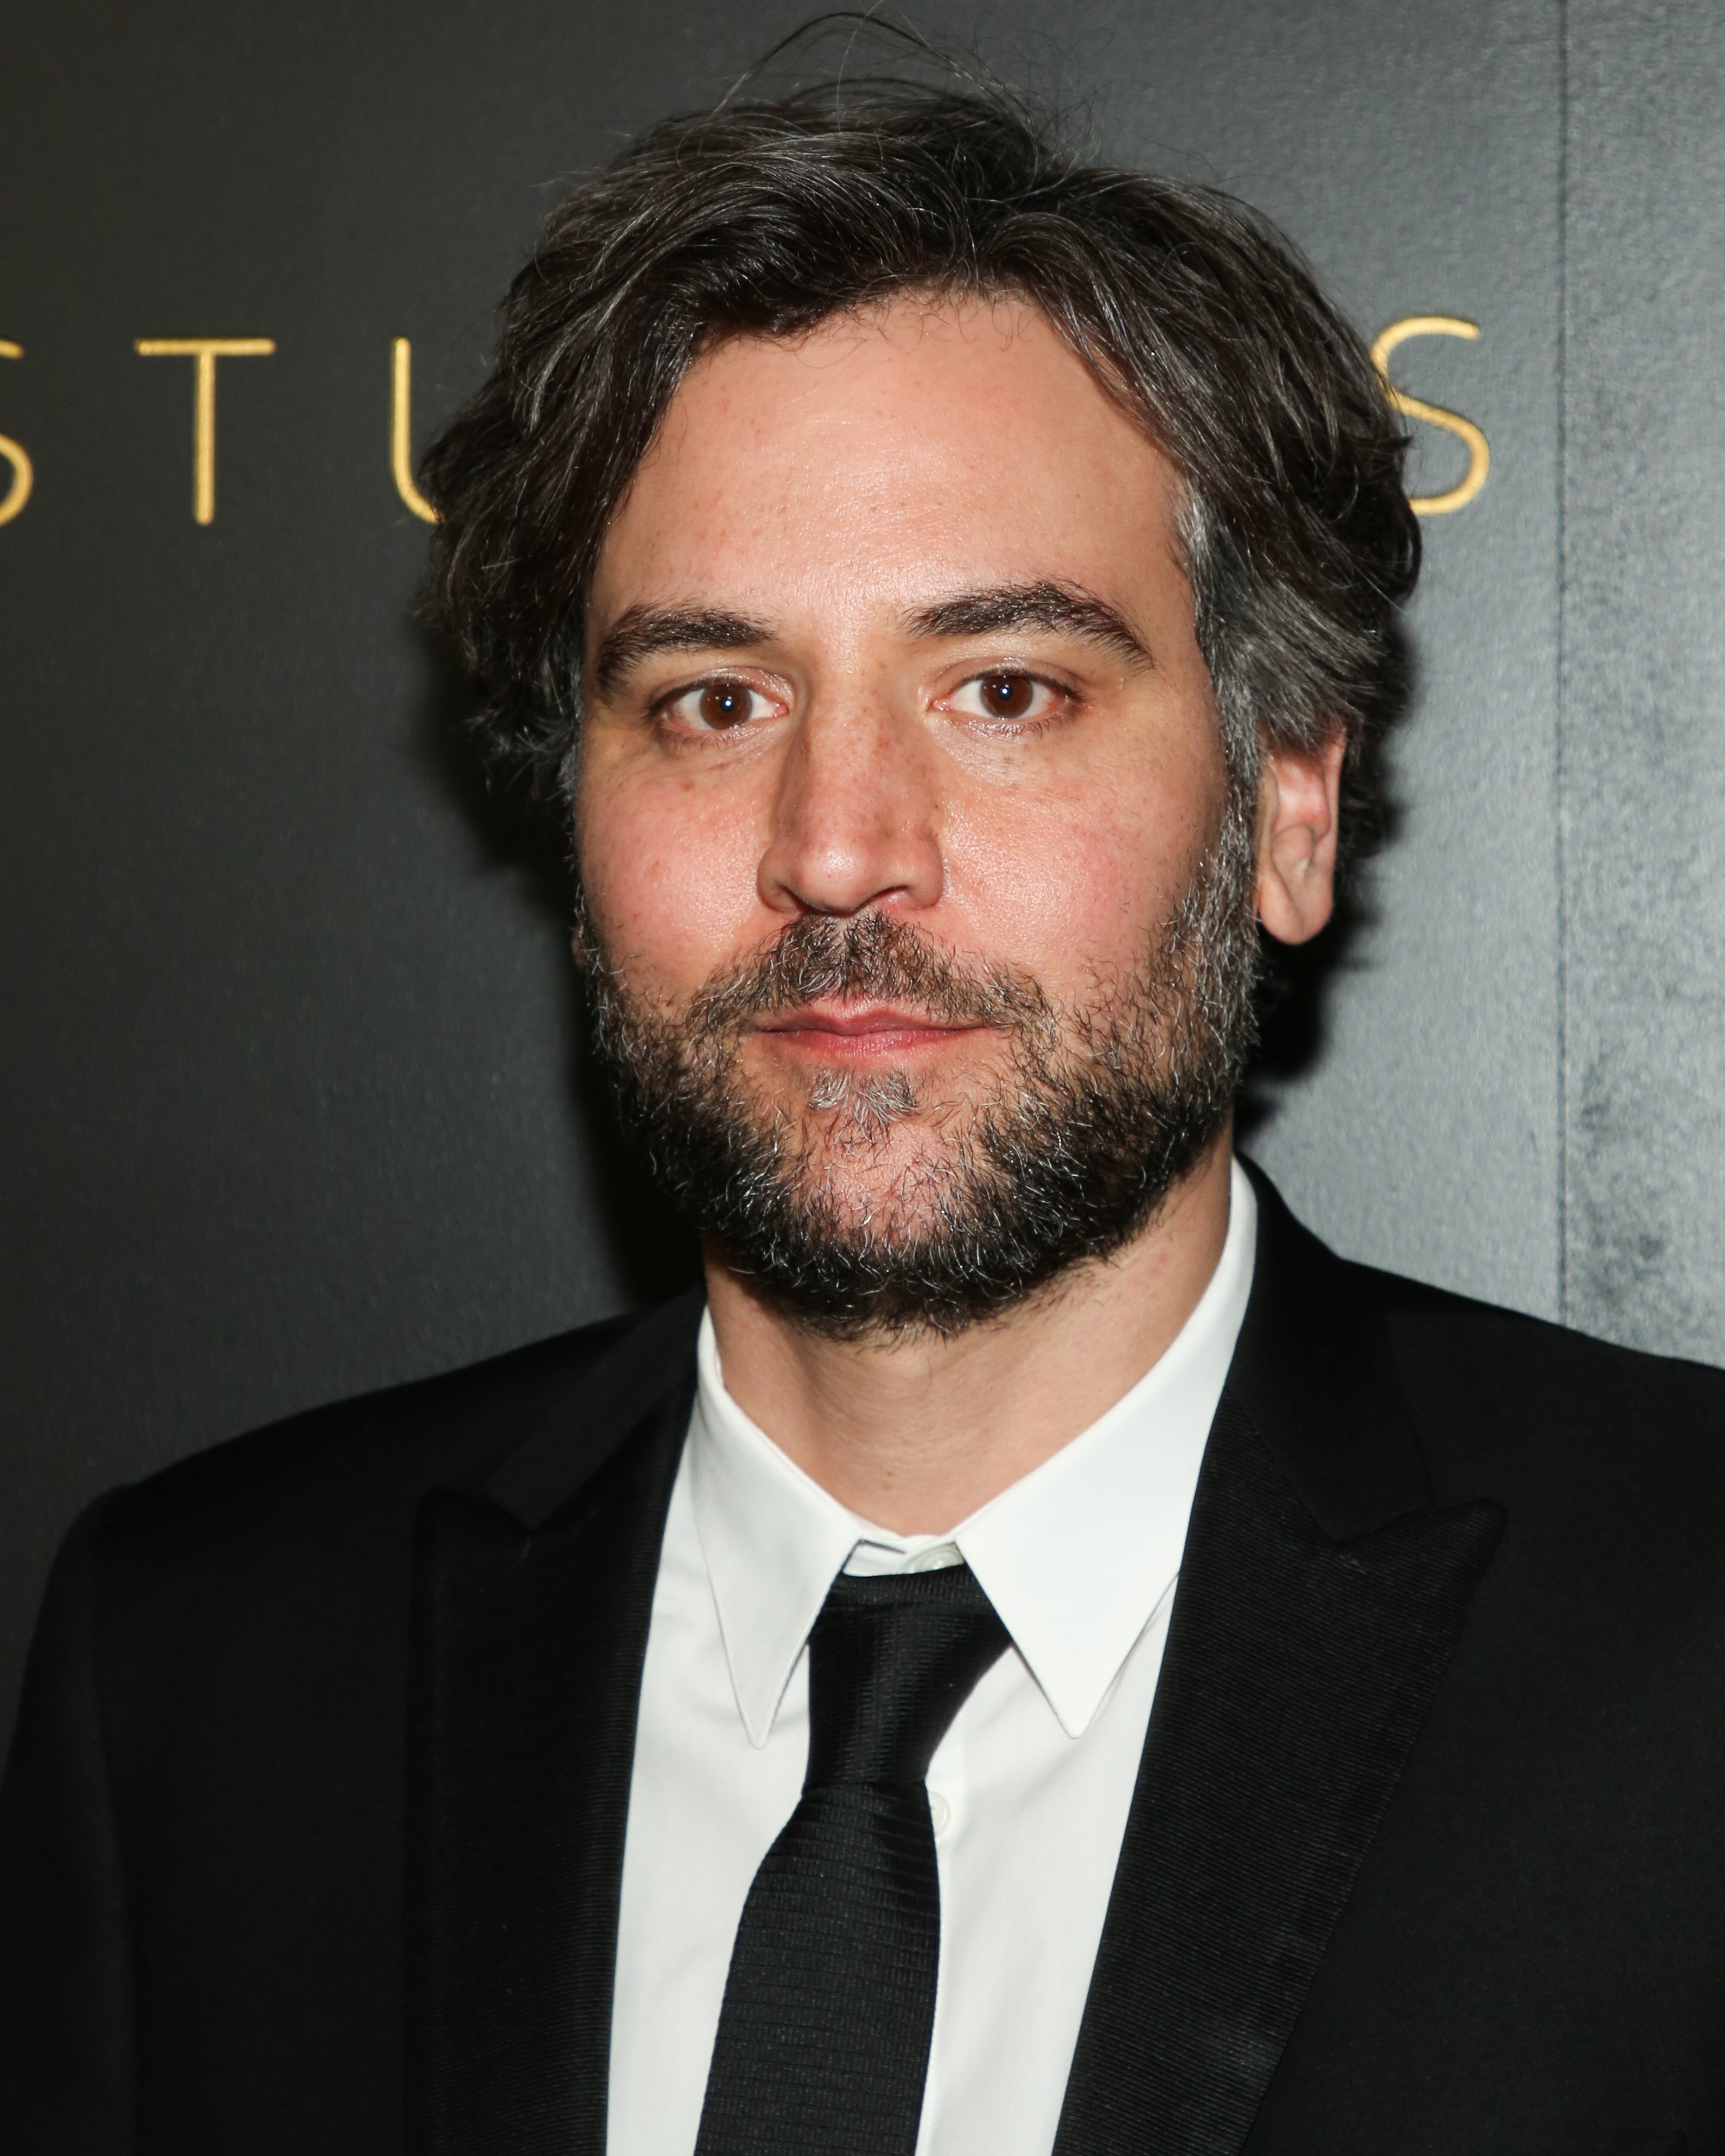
<point>1321,1595</point>
<point>532,1600</point>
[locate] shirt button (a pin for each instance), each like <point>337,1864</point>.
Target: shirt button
<point>940,1811</point>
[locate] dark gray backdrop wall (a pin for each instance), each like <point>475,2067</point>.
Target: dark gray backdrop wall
<point>290,1067</point>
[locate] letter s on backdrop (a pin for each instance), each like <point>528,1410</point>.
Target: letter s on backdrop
<point>23,476</point>
<point>1479,449</point>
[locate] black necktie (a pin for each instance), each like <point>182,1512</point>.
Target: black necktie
<point>823,2042</point>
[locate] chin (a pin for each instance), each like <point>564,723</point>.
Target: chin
<point>878,1170</point>
<point>884,1114</point>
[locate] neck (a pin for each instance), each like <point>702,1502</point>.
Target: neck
<point>916,1434</point>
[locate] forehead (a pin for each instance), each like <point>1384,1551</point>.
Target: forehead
<point>916,446</point>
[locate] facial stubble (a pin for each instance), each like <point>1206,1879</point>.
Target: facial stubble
<point>1102,1107</point>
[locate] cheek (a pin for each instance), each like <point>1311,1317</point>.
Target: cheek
<point>669,874</point>
<point>1080,878</point>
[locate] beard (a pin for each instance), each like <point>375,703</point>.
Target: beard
<point>880,1206</point>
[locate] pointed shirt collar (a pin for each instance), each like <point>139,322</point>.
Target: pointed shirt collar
<point>1076,1557</point>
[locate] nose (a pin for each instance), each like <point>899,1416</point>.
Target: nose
<point>856,816</point>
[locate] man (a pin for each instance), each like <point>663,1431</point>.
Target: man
<point>1041,1656</point>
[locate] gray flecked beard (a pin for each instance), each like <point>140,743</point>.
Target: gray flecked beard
<point>1104,1107</point>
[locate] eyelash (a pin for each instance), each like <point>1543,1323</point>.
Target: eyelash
<point>664,708</point>
<point>1021,725</point>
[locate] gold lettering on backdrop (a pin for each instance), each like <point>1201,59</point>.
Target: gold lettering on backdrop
<point>1479,449</point>
<point>401,430</point>
<point>206,351</point>
<point>24,475</point>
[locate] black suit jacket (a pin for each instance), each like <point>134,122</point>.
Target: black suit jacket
<point>311,1837</point>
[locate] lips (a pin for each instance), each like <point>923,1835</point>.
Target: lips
<point>861,1028</point>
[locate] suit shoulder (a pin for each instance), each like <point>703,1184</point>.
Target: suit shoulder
<point>279,1564</point>
<point>390,1445</point>
<point>1497,1388</point>
<point>1555,1353</point>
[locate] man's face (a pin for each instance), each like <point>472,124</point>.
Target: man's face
<point>902,809</point>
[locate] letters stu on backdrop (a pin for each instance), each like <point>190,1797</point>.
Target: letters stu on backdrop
<point>205,352</point>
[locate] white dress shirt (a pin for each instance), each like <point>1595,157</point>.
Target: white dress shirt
<point>1030,1788</point>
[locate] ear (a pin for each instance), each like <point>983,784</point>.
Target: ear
<point>1299,812</point>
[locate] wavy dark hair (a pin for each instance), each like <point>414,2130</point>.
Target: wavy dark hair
<point>1189,308</point>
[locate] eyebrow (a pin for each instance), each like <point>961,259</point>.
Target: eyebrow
<point>1064,608</point>
<point>640,633</point>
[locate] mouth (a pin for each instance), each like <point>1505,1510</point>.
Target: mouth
<point>839,1033</point>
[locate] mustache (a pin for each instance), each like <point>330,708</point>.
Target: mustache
<point>871,957</point>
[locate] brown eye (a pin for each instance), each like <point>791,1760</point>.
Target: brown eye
<point>723,705</point>
<point>1007,695</point>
